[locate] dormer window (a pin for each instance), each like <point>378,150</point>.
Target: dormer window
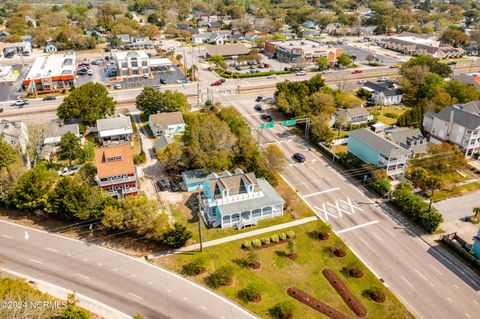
<point>113,159</point>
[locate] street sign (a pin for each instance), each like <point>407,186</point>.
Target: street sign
<point>289,123</point>
<point>267,125</point>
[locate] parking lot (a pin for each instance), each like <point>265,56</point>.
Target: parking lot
<point>363,53</point>
<point>11,90</point>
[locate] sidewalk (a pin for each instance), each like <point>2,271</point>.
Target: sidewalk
<point>238,236</point>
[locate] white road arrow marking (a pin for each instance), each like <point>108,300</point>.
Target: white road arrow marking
<point>27,236</point>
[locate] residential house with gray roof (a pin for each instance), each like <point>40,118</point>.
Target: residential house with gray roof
<point>115,130</point>
<point>377,150</point>
<point>384,93</point>
<point>356,116</point>
<point>410,139</point>
<point>239,200</point>
<point>166,123</point>
<point>459,124</point>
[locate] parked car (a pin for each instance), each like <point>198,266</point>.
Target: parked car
<point>266,65</point>
<point>238,68</point>
<point>49,98</point>
<point>301,73</point>
<point>1,109</point>
<point>327,72</point>
<point>163,81</point>
<point>90,72</point>
<point>145,76</point>
<point>156,87</point>
<point>357,71</point>
<point>267,117</point>
<point>361,81</point>
<point>272,76</point>
<point>162,185</point>
<point>369,103</point>
<point>299,157</point>
<point>19,103</point>
<point>69,170</point>
<point>395,66</point>
<point>259,98</point>
<point>216,83</point>
<point>174,186</point>
<point>117,86</point>
<point>383,79</point>
<point>258,107</point>
<point>82,72</point>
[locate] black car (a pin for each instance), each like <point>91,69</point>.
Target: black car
<point>259,98</point>
<point>1,109</point>
<point>452,63</point>
<point>258,107</point>
<point>238,68</point>
<point>162,185</point>
<point>174,187</point>
<point>267,117</point>
<point>49,98</point>
<point>163,81</point>
<point>299,157</point>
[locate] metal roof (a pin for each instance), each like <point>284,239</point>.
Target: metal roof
<point>378,143</point>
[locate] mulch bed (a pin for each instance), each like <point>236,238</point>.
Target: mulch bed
<point>255,265</point>
<point>292,256</point>
<point>353,303</point>
<point>339,252</point>
<point>257,298</point>
<point>378,298</point>
<point>356,273</point>
<point>316,304</point>
<point>229,282</point>
<point>269,245</point>
<point>323,236</point>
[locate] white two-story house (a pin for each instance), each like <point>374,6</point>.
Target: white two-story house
<point>166,123</point>
<point>384,93</point>
<point>238,199</point>
<point>459,124</point>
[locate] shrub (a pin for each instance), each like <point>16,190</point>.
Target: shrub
<point>139,158</point>
<point>266,240</point>
<point>390,115</point>
<point>247,244</point>
<point>196,267</point>
<point>249,293</point>
<point>282,310</point>
<point>176,237</point>
<point>282,236</point>
<point>290,234</point>
<point>256,243</point>
<point>274,239</point>
<point>220,277</point>
<point>376,294</point>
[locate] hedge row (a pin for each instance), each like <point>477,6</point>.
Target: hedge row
<point>257,243</point>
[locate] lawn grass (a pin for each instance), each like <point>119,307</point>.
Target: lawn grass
<point>295,208</point>
<point>278,273</point>
<point>398,110</point>
<point>456,191</point>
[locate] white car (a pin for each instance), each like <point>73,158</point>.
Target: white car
<point>383,79</point>
<point>19,103</point>
<point>301,73</point>
<point>272,76</point>
<point>90,72</point>
<point>327,72</point>
<point>117,86</point>
<point>361,81</point>
<point>68,171</point>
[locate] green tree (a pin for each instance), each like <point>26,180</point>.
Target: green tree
<point>220,277</point>
<point>417,176</point>
<point>323,63</point>
<point>151,101</point>
<point>282,310</point>
<point>8,154</point>
<point>217,60</point>
<point>250,293</point>
<point>137,316</point>
<point>176,237</point>
<point>69,147</point>
<point>32,189</point>
<point>455,38</point>
<point>71,311</point>
<point>172,156</point>
<point>344,60</point>
<point>461,92</point>
<point>87,103</point>
<point>432,184</point>
<point>432,64</point>
<point>275,157</point>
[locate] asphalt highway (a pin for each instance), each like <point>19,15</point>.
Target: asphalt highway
<point>429,285</point>
<point>119,281</point>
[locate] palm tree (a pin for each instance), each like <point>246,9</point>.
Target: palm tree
<point>432,184</point>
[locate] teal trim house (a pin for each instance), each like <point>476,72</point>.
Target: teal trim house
<point>375,149</point>
<point>166,123</point>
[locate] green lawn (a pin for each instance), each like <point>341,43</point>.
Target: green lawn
<point>381,113</point>
<point>457,191</point>
<point>278,273</point>
<point>295,208</point>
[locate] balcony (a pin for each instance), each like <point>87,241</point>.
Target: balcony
<point>219,200</point>
<point>385,162</point>
<point>126,191</point>
<point>115,181</point>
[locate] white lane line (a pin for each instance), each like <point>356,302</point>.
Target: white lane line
<point>84,259</point>
<point>420,274</point>
<point>358,226</point>
<point>83,276</point>
<point>168,290</point>
<point>150,283</point>
<point>448,298</point>
<point>431,284</point>
<point>433,267</point>
<point>203,307</point>
<point>363,241</point>
<point>475,302</point>
<point>456,286</point>
<point>36,261</point>
<point>133,276</point>
<point>322,192</point>
<point>100,264</point>
<point>185,298</point>
<point>6,236</point>
<point>114,269</point>
<point>69,255</point>
<point>468,315</point>
<point>51,249</point>
<point>134,295</point>
<point>390,232</point>
<point>377,237</point>
<point>411,286</point>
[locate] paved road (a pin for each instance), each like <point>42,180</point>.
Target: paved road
<point>114,279</point>
<point>458,207</point>
<point>427,282</point>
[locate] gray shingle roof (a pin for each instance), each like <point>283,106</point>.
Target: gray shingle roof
<point>378,143</point>
<point>387,88</point>
<point>161,142</point>
<point>227,49</point>
<point>461,117</point>
<point>167,118</point>
<point>236,184</point>
<point>113,123</point>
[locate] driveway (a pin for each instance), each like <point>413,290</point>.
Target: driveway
<point>458,207</point>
